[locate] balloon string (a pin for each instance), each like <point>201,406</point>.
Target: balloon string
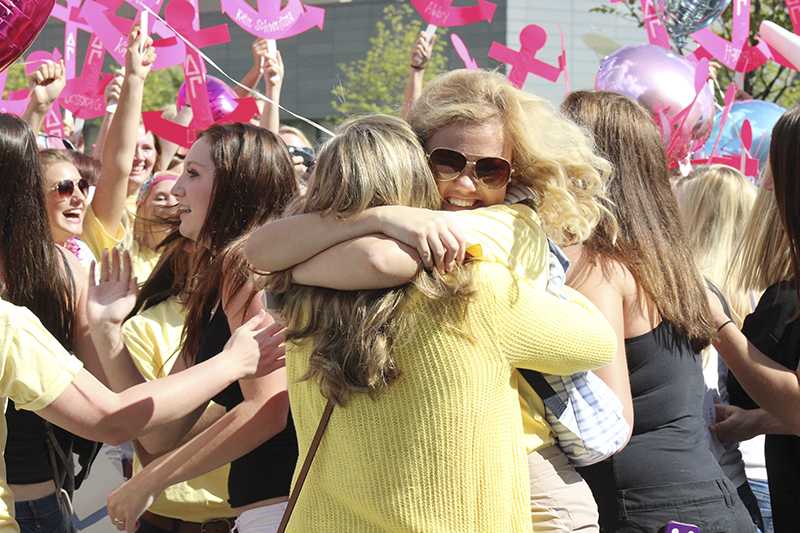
<point>253,92</point>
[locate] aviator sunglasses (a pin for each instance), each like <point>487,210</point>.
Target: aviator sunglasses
<point>448,164</point>
<point>67,187</point>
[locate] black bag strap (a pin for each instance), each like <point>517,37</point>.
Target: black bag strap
<point>550,398</point>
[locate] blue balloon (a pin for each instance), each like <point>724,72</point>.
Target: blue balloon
<point>762,116</point>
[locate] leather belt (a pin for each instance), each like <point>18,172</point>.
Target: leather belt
<point>174,525</point>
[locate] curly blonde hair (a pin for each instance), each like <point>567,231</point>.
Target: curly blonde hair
<point>550,154</point>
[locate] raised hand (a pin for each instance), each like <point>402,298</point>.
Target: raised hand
<point>47,82</point>
<point>114,88</point>
<point>423,48</point>
<point>140,55</point>
<point>257,346</point>
<point>111,298</point>
<point>273,70</point>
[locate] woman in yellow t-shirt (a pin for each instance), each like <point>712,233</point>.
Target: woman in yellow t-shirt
<point>153,339</point>
<point>35,273</point>
<point>426,433</point>
<point>128,156</point>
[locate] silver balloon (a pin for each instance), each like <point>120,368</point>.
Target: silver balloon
<point>682,18</point>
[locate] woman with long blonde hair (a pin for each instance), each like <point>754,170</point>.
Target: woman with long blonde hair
<point>426,433</point>
<point>715,203</point>
<point>486,146</point>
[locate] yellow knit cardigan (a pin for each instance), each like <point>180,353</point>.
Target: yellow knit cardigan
<point>441,449</point>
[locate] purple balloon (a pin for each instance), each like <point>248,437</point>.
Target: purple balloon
<point>20,23</point>
<point>664,83</point>
<point>220,96</point>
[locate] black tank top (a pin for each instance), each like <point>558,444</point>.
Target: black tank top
<point>266,472</point>
<point>26,454</point>
<point>668,443</point>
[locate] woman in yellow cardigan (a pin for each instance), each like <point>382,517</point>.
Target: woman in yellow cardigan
<point>426,434</point>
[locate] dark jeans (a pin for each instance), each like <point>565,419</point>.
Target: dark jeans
<point>46,515</point>
<point>713,506</point>
<point>146,527</point>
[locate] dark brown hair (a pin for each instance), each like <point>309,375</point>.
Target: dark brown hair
<point>650,241</point>
<point>88,167</point>
<point>785,166</point>
<point>253,182</point>
<point>36,274</point>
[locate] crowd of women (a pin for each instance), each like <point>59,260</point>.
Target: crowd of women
<point>394,336</point>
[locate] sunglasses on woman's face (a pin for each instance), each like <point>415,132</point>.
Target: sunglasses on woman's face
<point>491,172</point>
<point>66,188</point>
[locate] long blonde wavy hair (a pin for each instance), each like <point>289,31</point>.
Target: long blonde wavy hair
<point>551,154</point>
<point>715,204</point>
<point>372,161</point>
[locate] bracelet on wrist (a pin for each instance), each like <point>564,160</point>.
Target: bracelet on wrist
<point>417,67</point>
<point>729,321</point>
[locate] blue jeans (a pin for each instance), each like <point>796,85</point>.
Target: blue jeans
<point>761,492</point>
<point>45,515</point>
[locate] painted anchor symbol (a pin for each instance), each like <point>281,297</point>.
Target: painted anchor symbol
<point>272,22</point>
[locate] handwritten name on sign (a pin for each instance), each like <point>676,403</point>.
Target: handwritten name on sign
<point>442,13</point>
<point>271,22</point>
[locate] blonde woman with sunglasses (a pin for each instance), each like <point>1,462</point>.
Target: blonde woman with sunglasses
<point>486,143</point>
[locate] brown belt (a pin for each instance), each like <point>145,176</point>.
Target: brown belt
<point>174,525</point>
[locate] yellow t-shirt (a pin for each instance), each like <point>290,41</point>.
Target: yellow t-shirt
<point>98,238</point>
<point>153,338</point>
<point>442,449</point>
<point>34,370</point>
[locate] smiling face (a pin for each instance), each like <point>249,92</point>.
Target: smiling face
<point>475,141</point>
<point>193,189</point>
<point>65,213</point>
<point>144,159</point>
<point>160,201</point>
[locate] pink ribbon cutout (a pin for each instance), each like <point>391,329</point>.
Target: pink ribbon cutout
<point>463,53</point>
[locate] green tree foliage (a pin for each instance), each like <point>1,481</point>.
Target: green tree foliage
<point>771,82</point>
<point>161,88</point>
<point>375,83</point>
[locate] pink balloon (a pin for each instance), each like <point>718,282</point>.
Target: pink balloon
<point>20,23</point>
<point>220,96</point>
<point>664,83</point>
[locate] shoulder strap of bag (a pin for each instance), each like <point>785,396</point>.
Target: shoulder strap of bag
<point>312,451</point>
<point>550,398</point>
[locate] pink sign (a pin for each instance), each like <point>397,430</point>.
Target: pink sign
<point>736,54</point>
<point>794,13</point>
<point>83,95</point>
<point>523,62</point>
<point>113,30</point>
<point>463,53</point>
<point>272,22</point>
<point>783,45</point>
<point>656,32</point>
<point>186,135</point>
<point>442,13</point>
<point>181,15</point>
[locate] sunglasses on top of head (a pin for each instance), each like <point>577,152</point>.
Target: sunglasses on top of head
<point>448,164</point>
<point>67,187</point>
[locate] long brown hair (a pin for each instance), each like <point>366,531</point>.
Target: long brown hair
<point>372,161</point>
<point>36,274</point>
<point>253,182</point>
<point>650,241</point>
<point>783,161</point>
